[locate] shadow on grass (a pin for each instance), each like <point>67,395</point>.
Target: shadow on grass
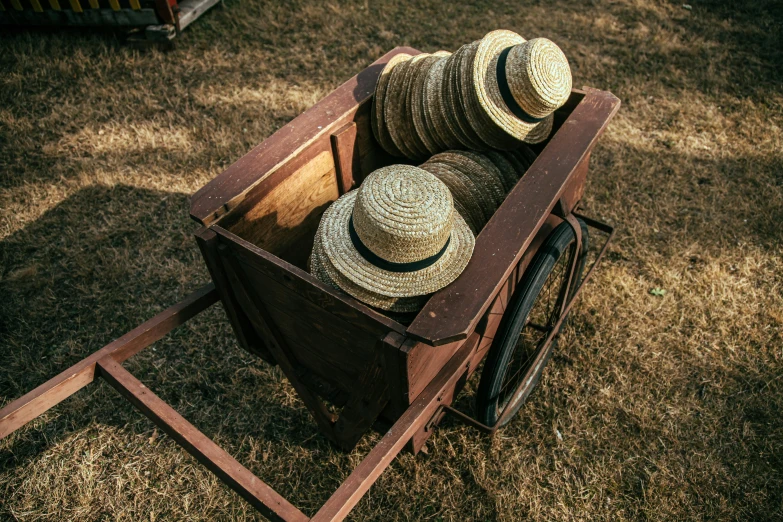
<point>94,267</point>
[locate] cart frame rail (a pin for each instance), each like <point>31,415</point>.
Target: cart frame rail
<point>106,363</point>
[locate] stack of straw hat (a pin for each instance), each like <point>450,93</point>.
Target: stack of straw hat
<point>393,241</point>
<point>494,93</point>
<point>374,242</point>
<point>479,181</point>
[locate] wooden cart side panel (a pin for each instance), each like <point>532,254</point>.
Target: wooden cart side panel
<point>449,315</point>
<point>282,212</point>
<point>288,204</point>
<point>246,334</point>
<point>301,283</point>
<point>322,354</point>
<point>228,190</point>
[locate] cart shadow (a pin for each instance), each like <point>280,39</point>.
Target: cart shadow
<point>92,268</point>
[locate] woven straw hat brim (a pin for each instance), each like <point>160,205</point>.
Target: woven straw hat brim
<point>340,251</point>
<point>394,110</point>
<point>465,201</point>
<point>418,97</point>
<point>465,132</point>
<point>486,172</point>
<point>485,82</point>
<point>508,172</point>
<point>377,118</point>
<point>488,131</point>
<point>322,269</point>
<point>480,195</point>
<point>527,153</point>
<point>477,201</point>
<point>414,139</point>
<point>464,97</point>
<point>489,188</point>
<point>433,105</point>
<point>520,166</point>
<point>539,76</point>
<point>451,109</point>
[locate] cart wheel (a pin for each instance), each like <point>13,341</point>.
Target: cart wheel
<point>532,312</point>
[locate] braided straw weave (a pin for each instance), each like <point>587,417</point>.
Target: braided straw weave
<point>485,82</point>
<point>405,214</point>
<point>539,77</point>
<point>377,118</point>
<point>402,214</point>
<point>322,268</point>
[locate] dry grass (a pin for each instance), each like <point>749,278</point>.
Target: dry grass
<point>668,407</point>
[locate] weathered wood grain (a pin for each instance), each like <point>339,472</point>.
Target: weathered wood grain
<point>230,188</point>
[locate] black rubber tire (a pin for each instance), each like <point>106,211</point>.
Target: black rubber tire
<point>557,248</point>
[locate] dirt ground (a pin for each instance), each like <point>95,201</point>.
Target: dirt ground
<point>655,407</point>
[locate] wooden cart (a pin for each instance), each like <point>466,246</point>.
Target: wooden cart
<point>353,367</point>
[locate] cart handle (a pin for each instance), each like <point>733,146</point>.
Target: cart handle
<point>57,389</point>
<point>106,363</point>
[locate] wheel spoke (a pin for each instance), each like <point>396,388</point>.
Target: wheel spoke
<point>542,317</point>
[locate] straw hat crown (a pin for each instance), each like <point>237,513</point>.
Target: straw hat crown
<point>403,214</point>
<point>539,77</point>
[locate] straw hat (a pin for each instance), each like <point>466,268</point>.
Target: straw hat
<point>322,268</point>
<point>518,83</point>
<point>377,118</point>
<point>463,191</point>
<point>397,235</point>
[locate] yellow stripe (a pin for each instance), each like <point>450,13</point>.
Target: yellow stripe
<point>94,4</point>
<point>76,6</point>
<point>135,5</point>
<point>17,5</point>
<point>114,5</point>
<point>36,6</point>
<point>54,4</point>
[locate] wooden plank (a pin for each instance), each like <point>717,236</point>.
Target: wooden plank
<point>345,156</point>
<point>246,335</point>
<point>259,316</point>
<point>367,472</point>
<point>307,286</point>
<point>421,435</point>
<point>366,401</point>
<point>452,313</point>
<point>55,390</point>
<point>292,208</point>
<point>230,188</point>
<point>358,340</point>
<point>262,497</point>
<point>396,375</point>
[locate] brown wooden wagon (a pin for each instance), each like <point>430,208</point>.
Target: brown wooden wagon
<point>353,367</point>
